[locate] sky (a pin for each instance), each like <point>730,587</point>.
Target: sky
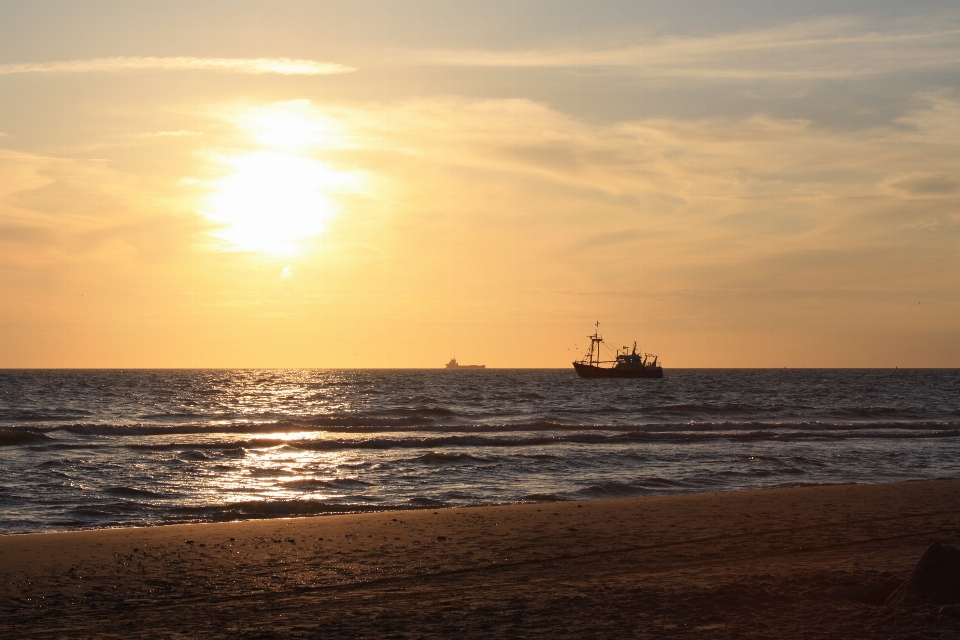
<point>392,184</point>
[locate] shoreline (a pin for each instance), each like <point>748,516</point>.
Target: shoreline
<point>440,509</point>
<point>754,563</point>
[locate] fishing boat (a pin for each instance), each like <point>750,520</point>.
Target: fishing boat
<point>453,364</point>
<point>626,365</point>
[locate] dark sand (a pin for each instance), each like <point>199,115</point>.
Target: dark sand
<point>806,562</point>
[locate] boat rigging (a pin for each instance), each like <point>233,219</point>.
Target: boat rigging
<point>626,365</point>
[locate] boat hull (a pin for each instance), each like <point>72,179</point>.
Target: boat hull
<point>591,371</point>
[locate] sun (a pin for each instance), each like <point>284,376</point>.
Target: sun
<point>271,202</point>
<point>280,194</point>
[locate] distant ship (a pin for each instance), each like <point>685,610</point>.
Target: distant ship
<point>454,365</point>
<point>627,365</point>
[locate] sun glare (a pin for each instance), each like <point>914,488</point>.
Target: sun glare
<point>279,195</point>
<point>294,126</point>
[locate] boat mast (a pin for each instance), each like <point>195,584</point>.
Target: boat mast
<point>595,340</point>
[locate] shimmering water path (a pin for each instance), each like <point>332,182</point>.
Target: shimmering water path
<point>81,449</point>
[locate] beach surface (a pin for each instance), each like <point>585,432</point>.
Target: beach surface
<point>800,562</point>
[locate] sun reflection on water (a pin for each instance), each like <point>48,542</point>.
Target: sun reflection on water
<point>281,472</point>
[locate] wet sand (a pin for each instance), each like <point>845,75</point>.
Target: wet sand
<point>806,562</point>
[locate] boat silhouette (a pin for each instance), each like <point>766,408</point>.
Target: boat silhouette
<point>626,365</point>
<point>453,364</point>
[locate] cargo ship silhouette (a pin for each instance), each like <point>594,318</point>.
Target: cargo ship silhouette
<point>453,364</point>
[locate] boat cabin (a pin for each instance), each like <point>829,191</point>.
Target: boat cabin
<point>633,360</point>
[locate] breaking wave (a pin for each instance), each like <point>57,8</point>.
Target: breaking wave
<point>361,425</point>
<point>14,437</point>
<point>439,457</point>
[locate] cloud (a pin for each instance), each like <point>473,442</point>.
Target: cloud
<point>166,134</point>
<point>818,49</point>
<point>62,210</point>
<point>606,240</point>
<point>935,184</point>
<point>143,136</point>
<point>661,203</point>
<point>486,213</point>
<point>282,66</point>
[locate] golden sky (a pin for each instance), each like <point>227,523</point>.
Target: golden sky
<point>391,184</point>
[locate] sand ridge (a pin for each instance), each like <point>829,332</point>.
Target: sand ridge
<point>750,564</point>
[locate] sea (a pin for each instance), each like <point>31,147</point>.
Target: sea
<point>84,449</point>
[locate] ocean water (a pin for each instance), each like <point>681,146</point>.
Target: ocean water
<point>86,448</point>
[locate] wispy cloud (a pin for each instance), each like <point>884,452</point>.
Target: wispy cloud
<point>770,233</point>
<point>181,133</point>
<point>730,194</point>
<point>822,49</point>
<point>282,66</point>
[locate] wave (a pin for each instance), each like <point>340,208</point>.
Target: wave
<point>133,492</point>
<point>657,481</point>
<point>193,456</point>
<point>426,502</point>
<point>640,486</point>
<point>599,438</point>
<point>229,419</point>
<point>251,509</point>
<point>107,509</point>
<point>420,412</point>
<point>360,425</point>
<point>611,490</point>
<point>316,483</point>
<point>542,497</point>
<point>435,457</point>
<point>49,415</point>
<point>14,437</point>
<point>677,434</point>
<point>324,423</point>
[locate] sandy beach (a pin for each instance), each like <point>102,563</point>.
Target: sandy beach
<point>800,562</point>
